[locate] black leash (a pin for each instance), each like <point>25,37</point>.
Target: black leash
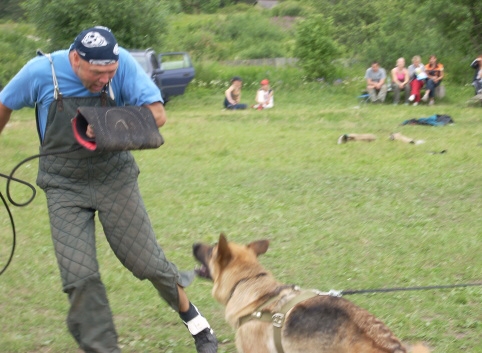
<point>10,178</point>
<point>14,240</point>
<point>401,289</point>
<point>34,192</point>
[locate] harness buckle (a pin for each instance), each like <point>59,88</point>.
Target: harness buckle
<point>335,293</point>
<point>278,319</point>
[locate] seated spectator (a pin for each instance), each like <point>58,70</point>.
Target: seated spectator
<point>232,96</point>
<point>400,79</point>
<point>417,76</point>
<point>435,74</point>
<point>479,84</point>
<point>376,86</point>
<point>264,96</point>
<point>477,81</point>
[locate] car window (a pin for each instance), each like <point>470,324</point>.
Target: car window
<point>174,61</point>
<point>143,62</point>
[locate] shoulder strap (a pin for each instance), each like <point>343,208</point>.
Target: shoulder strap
<point>54,77</point>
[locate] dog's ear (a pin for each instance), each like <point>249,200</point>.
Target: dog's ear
<point>259,247</point>
<point>224,255</point>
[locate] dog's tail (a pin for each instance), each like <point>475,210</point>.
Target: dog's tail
<point>420,348</point>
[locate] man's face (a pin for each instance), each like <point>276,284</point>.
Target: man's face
<point>375,67</point>
<point>93,77</point>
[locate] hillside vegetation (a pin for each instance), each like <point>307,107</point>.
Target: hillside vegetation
<point>358,32</point>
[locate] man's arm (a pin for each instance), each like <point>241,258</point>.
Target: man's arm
<point>159,113</point>
<point>5,114</point>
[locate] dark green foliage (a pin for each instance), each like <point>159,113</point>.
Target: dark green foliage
<point>351,31</point>
<point>459,22</point>
<point>354,21</point>
<point>245,35</point>
<point>11,9</point>
<point>315,47</point>
<point>198,6</point>
<point>290,8</point>
<point>211,6</point>
<point>136,24</point>
<point>17,46</point>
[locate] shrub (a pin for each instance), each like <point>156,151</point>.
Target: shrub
<point>17,45</point>
<point>136,24</point>
<point>246,35</point>
<point>289,8</point>
<point>315,48</point>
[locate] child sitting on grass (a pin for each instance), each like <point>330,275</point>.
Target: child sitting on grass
<point>264,96</point>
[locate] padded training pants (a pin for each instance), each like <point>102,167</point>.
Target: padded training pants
<point>75,190</point>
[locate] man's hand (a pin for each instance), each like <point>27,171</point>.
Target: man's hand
<point>90,131</point>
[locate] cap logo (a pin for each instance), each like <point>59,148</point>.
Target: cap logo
<point>94,40</point>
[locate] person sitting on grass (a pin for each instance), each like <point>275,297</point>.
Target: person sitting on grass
<point>264,96</point>
<point>232,96</point>
<point>376,86</point>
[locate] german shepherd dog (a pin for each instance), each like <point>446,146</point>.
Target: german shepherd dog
<point>271,317</point>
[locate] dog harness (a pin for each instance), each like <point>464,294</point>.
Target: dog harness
<point>278,318</point>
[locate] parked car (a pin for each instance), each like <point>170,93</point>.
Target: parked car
<point>171,71</point>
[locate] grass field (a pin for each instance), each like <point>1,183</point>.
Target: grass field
<point>352,216</point>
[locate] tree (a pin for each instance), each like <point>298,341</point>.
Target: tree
<point>10,9</point>
<point>458,21</point>
<point>354,21</point>
<point>315,48</point>
<point>136,24</point>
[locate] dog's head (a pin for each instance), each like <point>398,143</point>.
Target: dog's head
<point>226,262</point>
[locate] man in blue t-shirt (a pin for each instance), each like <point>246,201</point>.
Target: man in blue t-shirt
<point>79,183</point>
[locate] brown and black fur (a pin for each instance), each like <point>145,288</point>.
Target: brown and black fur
<point>322,324</point>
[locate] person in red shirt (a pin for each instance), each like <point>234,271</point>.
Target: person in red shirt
<point>435,74</point>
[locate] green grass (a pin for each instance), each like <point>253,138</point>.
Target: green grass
<point>352,216</point>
